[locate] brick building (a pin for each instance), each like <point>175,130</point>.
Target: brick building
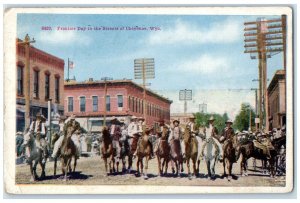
<point>124,99</point>
<point>277,100</point>
<point>46,82</point>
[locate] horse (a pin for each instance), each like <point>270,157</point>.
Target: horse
<point>55,137</point>
<point>248,150</point>
<point>280,146</point>
<point>144,151</point>
<point>125,152</point>
<point>34,156</point>
<point>210,153</point>
<point>230,156</point>
<point>67,151</point>
<point>107,151</point>
<point>191,151</point>
<point>163,153</point>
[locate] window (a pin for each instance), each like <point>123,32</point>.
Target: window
<point>47,86</point>
<point>20,80</point>
<point>82,104</point>
<point>120,101</point>
<point>95,103</point>
<point>36,84</point>
<point>70,104</point>
<point>57,89</point>
<point>129,103</point>
<point>107,103</point>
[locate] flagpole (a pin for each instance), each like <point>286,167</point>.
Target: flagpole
<point>68,70</point>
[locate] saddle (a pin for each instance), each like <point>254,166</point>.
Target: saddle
<point>264,146</point>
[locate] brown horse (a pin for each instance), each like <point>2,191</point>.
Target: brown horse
<point>163,153</point>
<point>176,155</point>
<point>248,150</point>
<point>144,151</point>
<point>107,151</point>
<point>68,150</point>
<point>230,156</point>
<point>191,151</point>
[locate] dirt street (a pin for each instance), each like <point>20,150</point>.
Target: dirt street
<point>91,171</point>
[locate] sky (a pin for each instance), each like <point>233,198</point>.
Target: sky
<point>198,52</point>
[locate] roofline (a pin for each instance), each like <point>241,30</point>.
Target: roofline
<point>101,82</point>
<point>279,74</point>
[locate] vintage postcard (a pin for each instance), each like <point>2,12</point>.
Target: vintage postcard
<point>182,100</point>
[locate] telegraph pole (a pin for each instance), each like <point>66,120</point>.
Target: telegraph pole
<point>185,95</point>
<point>144,69</point>
<point>264,38</point>
<point>26,44</point>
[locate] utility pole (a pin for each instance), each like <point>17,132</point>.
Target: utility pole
<point>26,44</point>
<point>264,38</point>
<point>144,69</point>
<point>105,98</point>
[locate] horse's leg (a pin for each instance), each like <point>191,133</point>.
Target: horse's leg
<point>34,169</point>
<point>194,167</point>
<point>224,167</point>
<point>55,166</point>
<point>31,172</point>
<point>166,166</point>
<point>75,163</point>
<point>142,166</point>
<point>105,164</point>
<point>188,166</point>
<point>146,167</point>
<point>43,174</point>
<point>198,167</point>
<point>208,168</point>
<point>138,166</point>
<point>230,169</point>
<point>212,167</point>
<point>159,166</point>
<point>70,168</point>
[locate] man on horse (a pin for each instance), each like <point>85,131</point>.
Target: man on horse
<point>192,126</point>
<point>162,125</point>
<point>132,127</point>
<point>214,134</point>
<point>227,133</point>
<point>176,134</point>
<point>38,130</point>
<point>116,133</point>
<point>63,132</point>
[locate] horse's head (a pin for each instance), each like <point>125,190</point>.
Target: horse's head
<point>105,132</point>
<point>187,133</point>
<point>27,138</point>
<point>164,133</point>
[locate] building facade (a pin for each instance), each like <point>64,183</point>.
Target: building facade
<point>124,99</point>
<point>277,100</point>
<point>46,83</point>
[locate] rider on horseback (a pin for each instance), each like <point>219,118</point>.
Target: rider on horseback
<point>116,133</point>
<point>227,133</point>
<point>159,132</point>
<point>38,130</point>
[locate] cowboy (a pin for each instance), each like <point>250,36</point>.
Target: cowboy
<point>132,127</point>
<point>176,134</point>
<point>214,134</point>
<point>38,129</point>
<point>58,143</point>
<point>192,126</point>
<point>162,125</point>
<point>115,133</point>
<point>228,131</point>
<point>66,124</point>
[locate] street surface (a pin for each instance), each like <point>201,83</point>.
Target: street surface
<point>91,171</point>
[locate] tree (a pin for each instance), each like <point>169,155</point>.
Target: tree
<point>202,120</point>
<point>241,121</point>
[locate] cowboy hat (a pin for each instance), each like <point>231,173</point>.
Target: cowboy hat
<point>192,117</point>
<point>229,121</point>
<point>133,117</point>
<point>140,118</point>
<point>211,118</point>
<point>19,133</point>
<point>62,118</point>
<point>72,116</point>
<point>176,121</point>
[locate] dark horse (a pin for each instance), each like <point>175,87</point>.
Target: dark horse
<point>125,152</point>
<point>176,155</point>
<point>248,150</point>
<point>163,153</point>
<point>278,143</point>
<point>230,156</point>
<point>107,151</point>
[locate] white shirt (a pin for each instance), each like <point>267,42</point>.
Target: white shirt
<point>132,129</point>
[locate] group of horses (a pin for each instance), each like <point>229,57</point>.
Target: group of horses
<point>192,150</point>
<point>34,155</point>
<point>195,149</point>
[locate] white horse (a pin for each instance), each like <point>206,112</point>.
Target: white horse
<point>210,153</point>
<point>34,155</point>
